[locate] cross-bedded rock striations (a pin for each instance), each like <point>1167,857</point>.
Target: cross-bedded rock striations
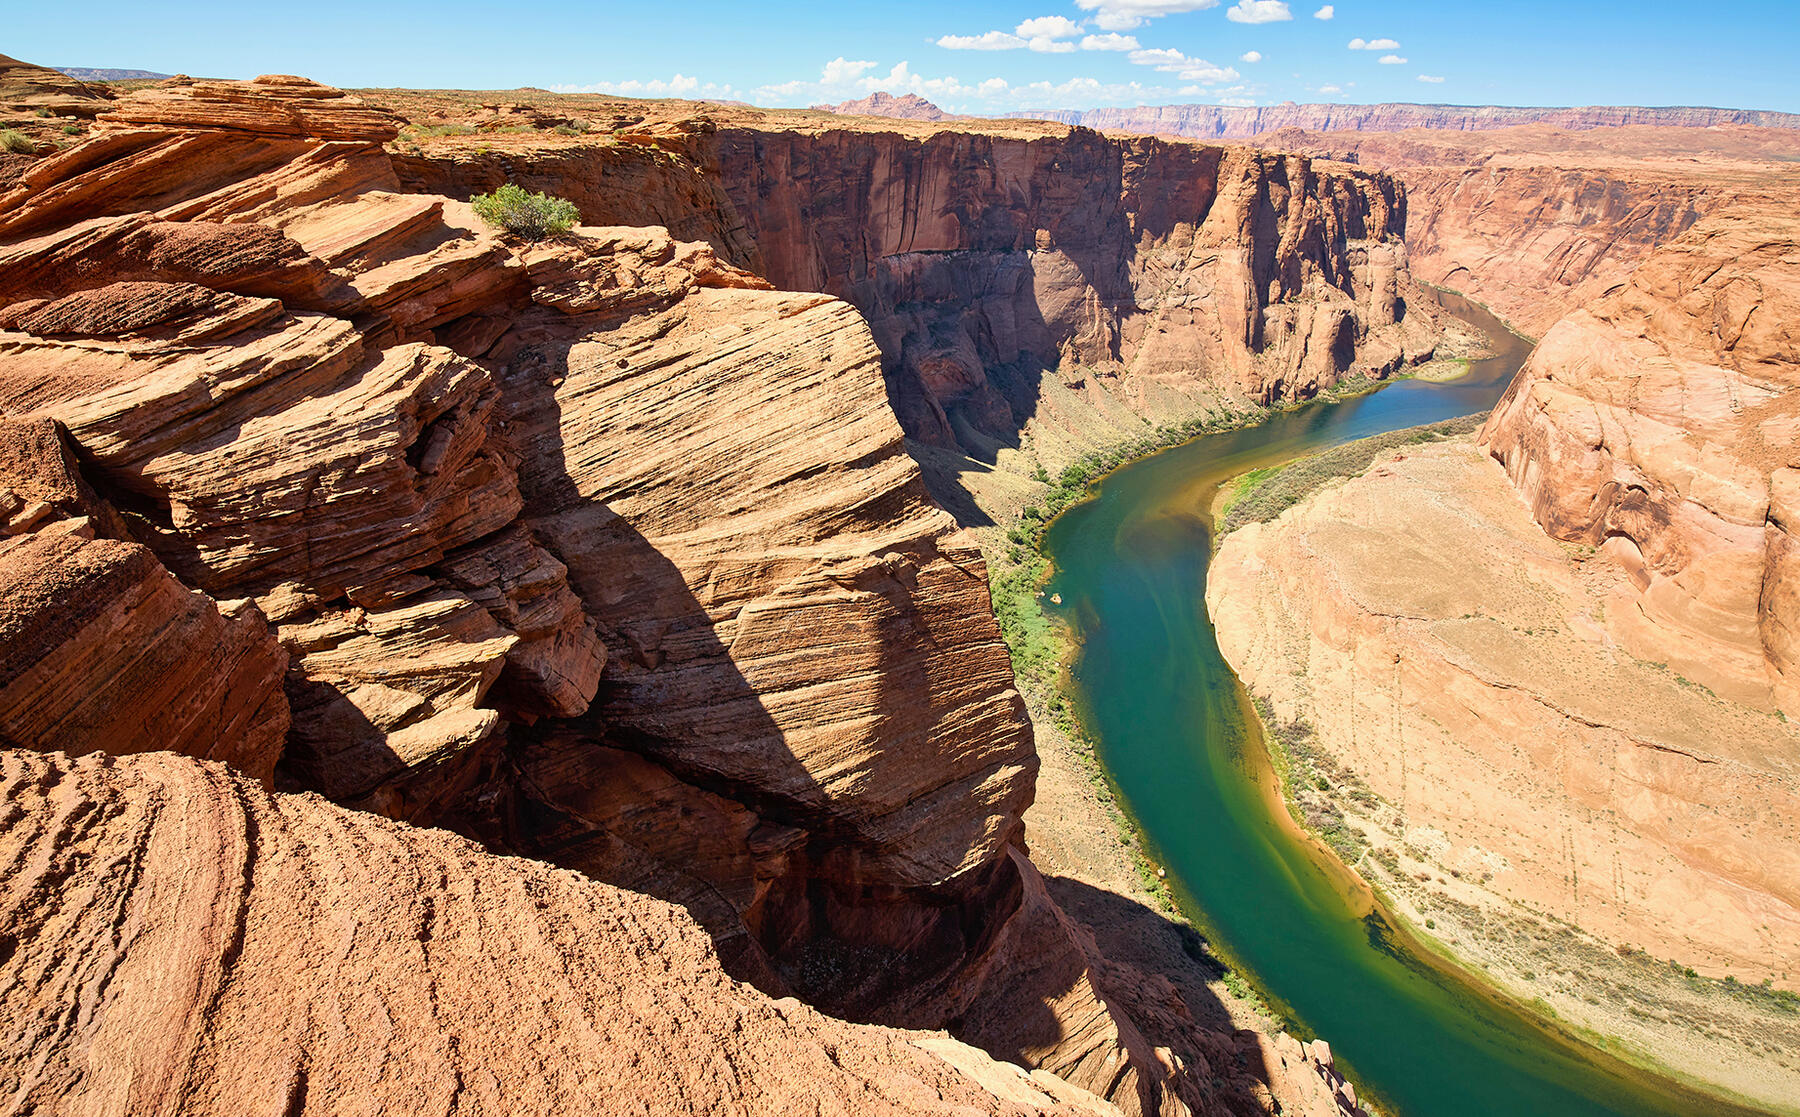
<point>985,262</point>
<point>565,546</point>
<point>276,953</point>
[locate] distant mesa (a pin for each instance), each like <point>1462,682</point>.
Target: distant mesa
<point>91,73</point>
<point>908,107</point>
<point>1215,122</point>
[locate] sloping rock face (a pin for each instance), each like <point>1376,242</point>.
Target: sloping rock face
<point>982,261</point>
<point>1212,122</point>
<point>28,88</point>
<point>1488,686</point>
<point>276,953</point>
<point>1660,424</point>
<point>570,547</point>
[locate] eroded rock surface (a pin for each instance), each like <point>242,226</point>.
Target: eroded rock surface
<point>276,953</point>
<point>1660,424</point>
<point>565,546</point>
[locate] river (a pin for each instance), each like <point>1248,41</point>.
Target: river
<point>1176,734</point>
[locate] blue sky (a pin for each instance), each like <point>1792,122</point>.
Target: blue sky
<point>969,56</point>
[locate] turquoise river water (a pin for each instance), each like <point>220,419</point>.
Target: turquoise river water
<point>1177,735</point>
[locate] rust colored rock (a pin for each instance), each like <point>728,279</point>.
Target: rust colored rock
<point>1658,423</point>
<point>981,261</point>
<point>272,105</point>
<point>104,651</point>
<point>288,955</point>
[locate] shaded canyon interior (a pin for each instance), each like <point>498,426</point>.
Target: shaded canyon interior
<point>612,555</point>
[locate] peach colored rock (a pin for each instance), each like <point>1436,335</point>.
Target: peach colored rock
<point>277,953</point>
<point>1660,424</point>
<point>1489,687</point>
<point>571,544</point>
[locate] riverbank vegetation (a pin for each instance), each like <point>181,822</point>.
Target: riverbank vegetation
<point>1261,495</point>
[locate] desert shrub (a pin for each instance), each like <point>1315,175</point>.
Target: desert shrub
<point>71,129</point>
<point>17,142</point>
<point>526,215</point>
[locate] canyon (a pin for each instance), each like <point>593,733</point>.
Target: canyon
<point>1548,669</point>
<point>604,552</point>
<point>601,592</point>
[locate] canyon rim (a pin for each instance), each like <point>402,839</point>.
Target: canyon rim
<point>446,668</point>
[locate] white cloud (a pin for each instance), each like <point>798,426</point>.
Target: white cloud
<point>1250,56</point>
<point>1053,27</point>
<point>1124,15</point>
<point>1325,13</point>
<point>1188,69</point>
<point>1001,40</point>
<point>1259,11</point>
<point>992,40</point>
<point>676,86</point>
<point>1434,80</point>
<point>1391,60</point>
<point>1374,44</point>
<point>1110,41</point>
<point>992,87</point>
<point>1330,90</point>
<point>840,70</point>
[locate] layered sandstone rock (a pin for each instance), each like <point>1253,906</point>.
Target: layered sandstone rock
<point>1535,222</point>
<point>1212,122</point>
<point>567,546</point>
<point>990,265</point>
<point>25,88</point>
<point>277,953</point>
<point>1487,684</point>
<point>1660,425</point>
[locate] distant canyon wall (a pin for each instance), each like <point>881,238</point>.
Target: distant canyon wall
<point>982,261</point>
<point>1223,122</point>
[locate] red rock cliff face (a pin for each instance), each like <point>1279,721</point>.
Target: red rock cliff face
<point>601,551</point>
<point>981,261</point>
<point>1659,424</point>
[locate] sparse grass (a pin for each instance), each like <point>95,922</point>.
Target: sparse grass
<point>1271,492</point>
<point>16,142</point>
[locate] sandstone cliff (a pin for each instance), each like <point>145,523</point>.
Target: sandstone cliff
<point>1660,424</point>
<point>1582,716</point>
<point>599,550</point>
<point>1536,221</point>
<point>1211,122</point>
<point>993,267</point>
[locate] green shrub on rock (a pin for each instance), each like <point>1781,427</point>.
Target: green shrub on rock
<point>526,215</point>
<point>17,142</point>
